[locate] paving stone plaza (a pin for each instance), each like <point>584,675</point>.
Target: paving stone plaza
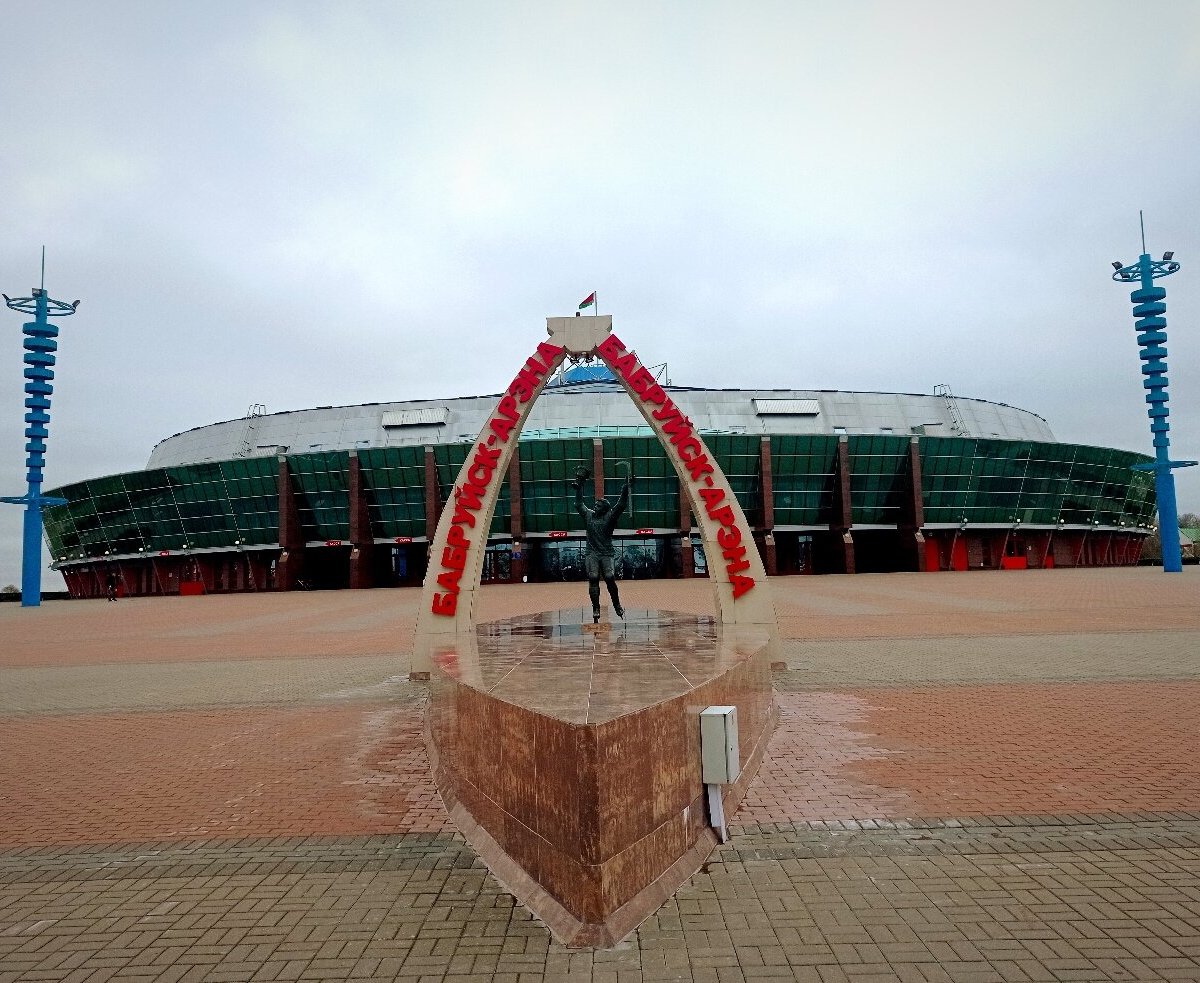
<point>983,776</point>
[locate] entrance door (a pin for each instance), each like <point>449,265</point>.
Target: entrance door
<point>497,564</point>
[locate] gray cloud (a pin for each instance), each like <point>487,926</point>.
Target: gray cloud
<point>297,204</point>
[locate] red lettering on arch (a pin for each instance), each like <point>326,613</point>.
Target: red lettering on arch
<point>729,537</point>
<point>610,348</point>
<point>741,585</point>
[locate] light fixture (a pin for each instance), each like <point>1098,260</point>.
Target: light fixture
<point>1168,256</point>
<point>1117,264</point>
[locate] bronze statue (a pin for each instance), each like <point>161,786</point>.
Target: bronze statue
<point>601,519</point>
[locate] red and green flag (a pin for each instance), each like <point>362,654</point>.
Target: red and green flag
<point>588,301</point>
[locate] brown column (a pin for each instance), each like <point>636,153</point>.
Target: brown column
<point>768,485</point>
<point>158,583</point>
<point>917,501</point>
<point>766,550</point>
<point>598,467</point>
<point>914,511</point>
<point>205,573</point>
<point>433,495</point>
<point>1042,548</point>
<point>291,536</point>
<point>362,539</point>
<point>126,584</point>
<point>687,559</point>
<point>767,543</point>
<point>843,516</point>
<point>516,524</point>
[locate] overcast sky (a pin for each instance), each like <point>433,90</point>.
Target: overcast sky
<point>303,204</point>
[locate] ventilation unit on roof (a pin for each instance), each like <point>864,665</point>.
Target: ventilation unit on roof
<point>426,417</point>
<point>787,407</point>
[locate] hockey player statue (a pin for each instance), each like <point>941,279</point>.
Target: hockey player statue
<point>601,519</point>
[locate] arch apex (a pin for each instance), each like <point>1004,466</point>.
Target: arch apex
<point>579,335</point>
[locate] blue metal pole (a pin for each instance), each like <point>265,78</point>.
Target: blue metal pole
<point>40,345</point>
<point>39,373</point>
<point>1149,308</point>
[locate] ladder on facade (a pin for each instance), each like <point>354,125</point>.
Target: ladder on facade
<point>956,422</point>
<point>255,411</point>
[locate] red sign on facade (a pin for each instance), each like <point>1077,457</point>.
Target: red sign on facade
<point>164,552</point>
<point>645,532</point>
<point>404,539</point>
<point>333,542</point>
<point>558,534</point>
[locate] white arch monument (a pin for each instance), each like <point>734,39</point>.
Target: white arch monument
<point>451,589</point>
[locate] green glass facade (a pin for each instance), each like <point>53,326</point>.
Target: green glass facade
<point>998,482</point>
<point>805,471</point>
<point>395,481</point>
<point>196,507</point>
<point>880,478</point>
<point>964,483</point>
<point>547,503</point>
<point>654,498</point>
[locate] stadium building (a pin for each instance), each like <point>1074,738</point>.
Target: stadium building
<point>832,482</point>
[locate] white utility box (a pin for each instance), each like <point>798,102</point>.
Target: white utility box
<point>720,758</point>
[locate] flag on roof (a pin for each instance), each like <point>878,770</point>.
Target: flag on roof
<point>588,301</point>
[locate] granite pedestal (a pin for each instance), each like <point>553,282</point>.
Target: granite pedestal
<point>570,758</point>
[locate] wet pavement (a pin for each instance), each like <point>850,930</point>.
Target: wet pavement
<point>984,776</point>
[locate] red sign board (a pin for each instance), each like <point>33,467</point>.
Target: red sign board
<point>558,534</point>
<point>333,542</point>
<point>164,552</point>
<point>645,532</point>
<point>404,539</point>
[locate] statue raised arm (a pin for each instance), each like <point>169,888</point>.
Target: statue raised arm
<point>601,520</point>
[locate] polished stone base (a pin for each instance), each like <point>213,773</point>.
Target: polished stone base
<point>571,759</point>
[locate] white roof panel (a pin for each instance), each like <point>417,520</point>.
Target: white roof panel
<point>426,416</point>
<point>787,407</point>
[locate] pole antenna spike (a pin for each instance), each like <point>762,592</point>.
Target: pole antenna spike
<point>43,267</point>
<point>1142,223</point>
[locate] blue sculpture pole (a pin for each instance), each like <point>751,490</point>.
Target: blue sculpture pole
<point>40,346</point>
<point>1149,306</point>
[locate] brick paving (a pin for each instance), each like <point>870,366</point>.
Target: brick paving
<point>965,751</point>
<point>976,777</point>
